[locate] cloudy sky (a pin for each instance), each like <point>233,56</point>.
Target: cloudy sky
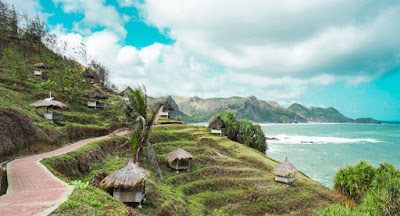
<point>341,53</point>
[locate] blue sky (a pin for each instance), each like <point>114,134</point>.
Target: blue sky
<point>344,54</point>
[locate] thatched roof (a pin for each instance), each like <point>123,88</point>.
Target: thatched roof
<point>128,177</point>
<point>178,154</point>
<point>123,93</point>
<point>97,94</point>
<point>49,102</point>
<point>217,123</point>
<point>86,74</point>
<point>167,106</point>
<point>42,65</point>
<point>284,169</point>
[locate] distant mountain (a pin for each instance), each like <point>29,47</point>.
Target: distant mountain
<point>316,114</point>
<point>196,109</point>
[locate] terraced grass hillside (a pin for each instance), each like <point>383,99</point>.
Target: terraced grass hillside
<point>226,178</point>
<point>23,129</point>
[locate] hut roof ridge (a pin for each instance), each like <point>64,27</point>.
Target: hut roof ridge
<point>97,94</point>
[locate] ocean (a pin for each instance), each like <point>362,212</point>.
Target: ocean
<point>320,150</point>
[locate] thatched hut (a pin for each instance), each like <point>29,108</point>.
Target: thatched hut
<point>52,104</point>
<point>179,159</point>
<point>166,110</point>
<point>97,95</point>
<point>87,74</point>
<point>285,172</point>
<point>217,126</point>
<point>42,65</point>
<point>128,184</point>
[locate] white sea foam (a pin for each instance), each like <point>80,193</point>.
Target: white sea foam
<point>288,139</point>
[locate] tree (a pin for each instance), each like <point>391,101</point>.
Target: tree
<point>101,71</point>
<point>74,85</point>
<point>16,61</point>
<point>141,119</point>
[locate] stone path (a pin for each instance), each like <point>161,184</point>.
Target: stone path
<point>33,189</point>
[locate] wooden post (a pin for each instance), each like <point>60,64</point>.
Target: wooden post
<point>52,114</point>
<point>177,170</point>
<point>189,165</point>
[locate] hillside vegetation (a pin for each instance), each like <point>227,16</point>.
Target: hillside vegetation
<point>24,130</point>
<point>226,178</point>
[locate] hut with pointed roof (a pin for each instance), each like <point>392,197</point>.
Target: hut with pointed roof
<point>88,76</point>
<point>166,110</point>
<point>285,172</point>
<point>179,159</point>
<point>52,104</point>
<point>42,65</point>
<point>217,126</point>
<point>128,184</point>
<point>97,95</point>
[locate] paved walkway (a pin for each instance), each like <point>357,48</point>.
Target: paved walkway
<point>32,189</point>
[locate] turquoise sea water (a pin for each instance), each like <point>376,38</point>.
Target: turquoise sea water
<point>319,150</point>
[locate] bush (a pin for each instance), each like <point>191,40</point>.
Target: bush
<point>243,131</point>
<point>376,190</point>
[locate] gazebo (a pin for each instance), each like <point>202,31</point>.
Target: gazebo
<point>166,110</point>
<point>285,172</point>
<point>97,95</point>
<point>87,75</point>
<point>179,159</point>
<point>53,104</point>
<point>217,126</point>
<point>128,184</point>
<point>42,65</point>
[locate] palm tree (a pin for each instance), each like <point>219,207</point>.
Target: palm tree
<point>141,119</point>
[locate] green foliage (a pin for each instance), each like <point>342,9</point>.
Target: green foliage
<point>91,201</point>
<point>73,82</point>
<point>243,131</point>
<point>376,190</point>
<point>354,181</point>
<point>48,85</point>
<point>234,106</point>
<point>13,58</point>
<point>79,184</point>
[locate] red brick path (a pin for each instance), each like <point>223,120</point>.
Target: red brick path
<point>32,188</point>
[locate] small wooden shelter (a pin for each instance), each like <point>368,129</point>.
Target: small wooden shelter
<point>97,95</point>
<point>166,110</point>
<point>285,172</point>
<point>42,65</point>
<point>217,126</point>
<point>128,184</point>
<point>88,76</point>
<point>179,159</point>
<point>53,104</point>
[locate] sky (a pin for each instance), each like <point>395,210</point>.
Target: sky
<point>342,54</point>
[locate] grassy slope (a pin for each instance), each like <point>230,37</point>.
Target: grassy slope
<point>20,98</point>
<point>240,184</point>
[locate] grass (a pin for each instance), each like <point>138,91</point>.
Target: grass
<point>91,201</point>
<point>238,183</point>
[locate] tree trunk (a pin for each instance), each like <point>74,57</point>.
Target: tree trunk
<point>151,154</point>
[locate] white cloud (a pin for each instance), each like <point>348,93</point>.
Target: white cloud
<point>274,50</point>
<point>96,13</point>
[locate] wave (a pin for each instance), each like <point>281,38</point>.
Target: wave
<point>289,139</point>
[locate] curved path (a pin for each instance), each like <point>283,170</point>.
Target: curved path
<point>32,188</point>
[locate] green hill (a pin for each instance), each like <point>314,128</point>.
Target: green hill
<point>23,129</point>
<point>226,178</point>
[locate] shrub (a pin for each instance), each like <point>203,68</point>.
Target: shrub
<point>376,190</point>
<point>243,131</point>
